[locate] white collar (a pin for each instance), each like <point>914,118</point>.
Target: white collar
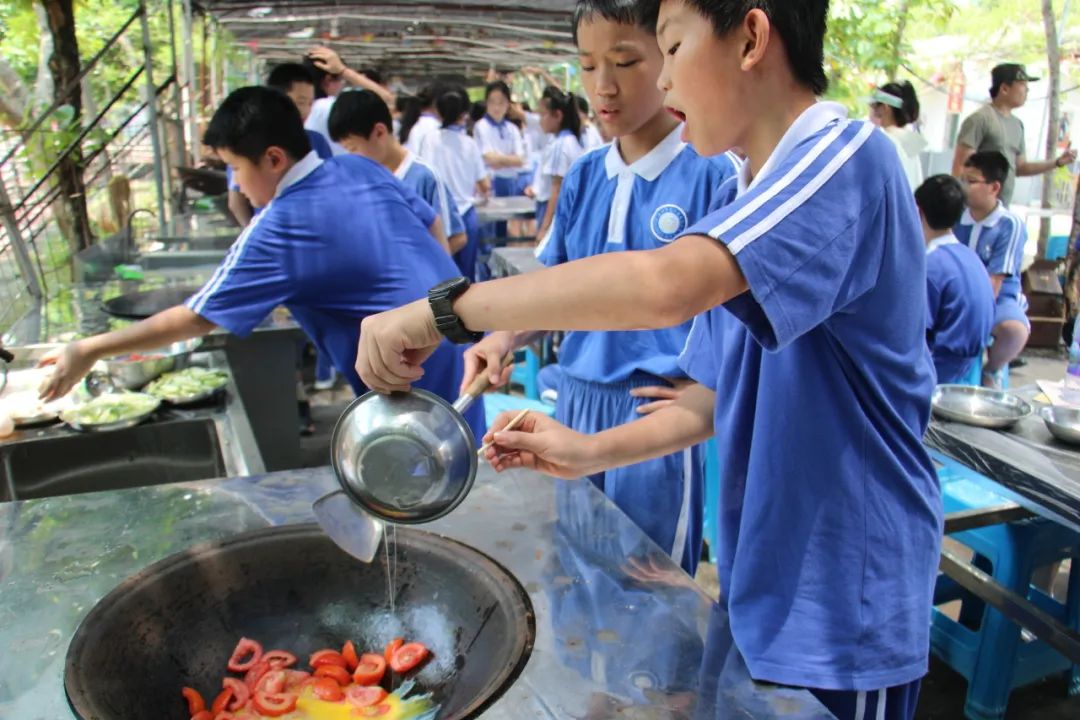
<point>814,119</point>
<point>650,165</point>
<point>989,221</point>
<point>405,166</point>
<point>942,241</point>
<point>298,172</point>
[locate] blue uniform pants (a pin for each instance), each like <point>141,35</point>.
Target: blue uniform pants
<point>663,496</point>
<point>465,258</point>
<point>895,703</point>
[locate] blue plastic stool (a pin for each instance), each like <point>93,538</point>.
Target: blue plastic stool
<point>495,403</point>
<point>712,497</point>
<point>992,657</point>
<point>974,374</point>
<point>526,368</point>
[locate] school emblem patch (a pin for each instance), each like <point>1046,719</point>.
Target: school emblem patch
<point>668,222</point>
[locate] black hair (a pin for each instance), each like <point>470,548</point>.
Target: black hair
<point>452,103</point>
<point>624,12</point>
<point>285,75</point>
<point>317,76</point>
<point>477,111</point>
<point>941,199</point>
<point>800,24</point>
<point>373,75</point>
<point>252,119</point>
<point>498,86</point>
<point>909,113</point>
<point>562,102</point>
<point>582,104</point>
<point>411,108</point>
<point>992,164</point>
<point>357,112</point>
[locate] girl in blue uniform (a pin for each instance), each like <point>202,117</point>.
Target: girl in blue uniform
<point>500,140</point>
<point>809,287</point>
<point>559,119</point>
<point>638,193</point>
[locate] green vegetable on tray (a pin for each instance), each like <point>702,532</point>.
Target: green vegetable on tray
<point>190,383</point>
<point>111,408</point>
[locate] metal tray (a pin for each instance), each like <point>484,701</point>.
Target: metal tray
<point>1062,422</point>
<point>981,407</point>
<point>192,399</point>
<point>116,425</point>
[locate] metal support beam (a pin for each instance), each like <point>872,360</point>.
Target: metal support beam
<point>22,254</point>
<point>1016,608</point>
<point>190,109</point>
<point>983,517</point>
<point>177,86</point>
<point>155,130</point>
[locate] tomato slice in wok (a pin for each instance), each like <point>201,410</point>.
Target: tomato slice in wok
<point>327,657</point>
<point>240,692</point>
<point>327,689</point>
<point>348,651</point>
<point>408,657</point>
<point>370,669</point>
<point>221,701</point>
<point>375,711</point>
<point>279,658</point>
<point>363,697</point>
<point>274,704</point>
<point>391,648</point>
<point>195,702</point>
<point>273,682</point>
<point>202,715</point>
<point>246,648</point>
<point>338,674</point>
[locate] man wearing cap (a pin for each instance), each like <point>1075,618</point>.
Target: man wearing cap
<point>994,127</point>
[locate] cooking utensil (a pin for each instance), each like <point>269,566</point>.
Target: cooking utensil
<point>135,370</point>
<point>141,305</point>
<point>512,425</point>
<point>70,418</point>
<point>981,407</point>
<point>351,529</point>
<point>176,622</point>
<point>1062,422</point>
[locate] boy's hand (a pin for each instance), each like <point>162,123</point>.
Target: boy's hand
<point>394,345</point>
<point>543,444</point>
<point>326,59</point>
<point>1066,158</point>
<point>70,365</point>
<point>664,395</point>
<point>529,192</point>
<point>486,356</point>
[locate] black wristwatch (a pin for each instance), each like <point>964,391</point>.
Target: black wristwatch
<point>441,299</point>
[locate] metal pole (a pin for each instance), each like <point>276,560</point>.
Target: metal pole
<point>189,83</point>
<point>178,92</point>
<point>151,109</point>
<point>22,255</point>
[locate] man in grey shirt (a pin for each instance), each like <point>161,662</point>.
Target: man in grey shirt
<point>994,127</point>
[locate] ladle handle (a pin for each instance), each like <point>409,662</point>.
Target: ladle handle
<point>480,385</point>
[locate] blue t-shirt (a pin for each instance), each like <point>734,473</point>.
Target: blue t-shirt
<point>607,206</point>
<point>999,242</point>
<point>419,176</point>
<point>830,513</point>
<point>960,307</point>
<point>342,239</point>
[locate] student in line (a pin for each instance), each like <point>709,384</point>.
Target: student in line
<point>558,119</point>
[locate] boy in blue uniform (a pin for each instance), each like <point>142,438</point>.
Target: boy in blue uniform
<point>998,237</point>
<point>638,193</point>
<point>960,300</point>
<point>360,122</point>
<point>337,240</point>
<point>810,349</point>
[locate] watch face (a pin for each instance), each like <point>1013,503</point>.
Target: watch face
<point>447,285</point>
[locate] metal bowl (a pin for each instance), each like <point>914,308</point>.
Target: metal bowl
<point>406,458</point>
<point>1062,422</point>
<point>75,424</point>
<point>981,407</point>
<point>133,374</point>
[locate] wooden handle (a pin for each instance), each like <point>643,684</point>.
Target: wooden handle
<point>481,384</point>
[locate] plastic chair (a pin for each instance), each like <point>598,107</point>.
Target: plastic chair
<point>495,403</point>
<point>983,645</point>
<point>526,368</point>
<point>712,496</point>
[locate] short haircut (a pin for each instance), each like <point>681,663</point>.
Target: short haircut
<point>452,104</point>
<point>559,101</point>
<point>799,23</point>
<point>498,86</point>
<point>992,164</point>
<point>624,12</point>
<point>285,75</point>
<point>941,199</point>
<point>357,112</point>
<point>318,75</point>
<point>252,119</point>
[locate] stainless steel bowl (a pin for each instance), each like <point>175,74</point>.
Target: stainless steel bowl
<point>75,424</point>
<point>1062,422</point>
<point>133,374</point>
<point>978,406</point>
<point>406,458</point>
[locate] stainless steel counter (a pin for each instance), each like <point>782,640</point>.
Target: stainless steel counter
<point>621,631</point>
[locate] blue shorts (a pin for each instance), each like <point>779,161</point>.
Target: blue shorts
<point>1011,308</point>
<point>899,703</point>
<point>465,258</point>
<point>663,496</point>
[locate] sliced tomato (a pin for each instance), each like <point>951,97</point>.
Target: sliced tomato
<point>195,702</point>
<point>295,680</point>
<point>224,716</point>
<point>221,701</point>
<point>327,689</point>
<point>338,674</point>
<point>391,648</point>
<point>274,704</point>
<point>240,691</point>
<point>202,715</point>
<point>348,651</point>
<point>279,658</point>
<point>365,696</point>
<point>327,657</point>
<point>375,711</point>
<point>273,682</point>
<point>370,670</point>
<point>255,674</point>
<point>408,657</point>
<point>246,648</point>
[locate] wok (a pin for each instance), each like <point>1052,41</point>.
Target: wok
<point>176,622</point>
<point>140,305</point>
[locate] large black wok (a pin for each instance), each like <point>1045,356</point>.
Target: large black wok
<point>176,623</point>
<point>140,305</point>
